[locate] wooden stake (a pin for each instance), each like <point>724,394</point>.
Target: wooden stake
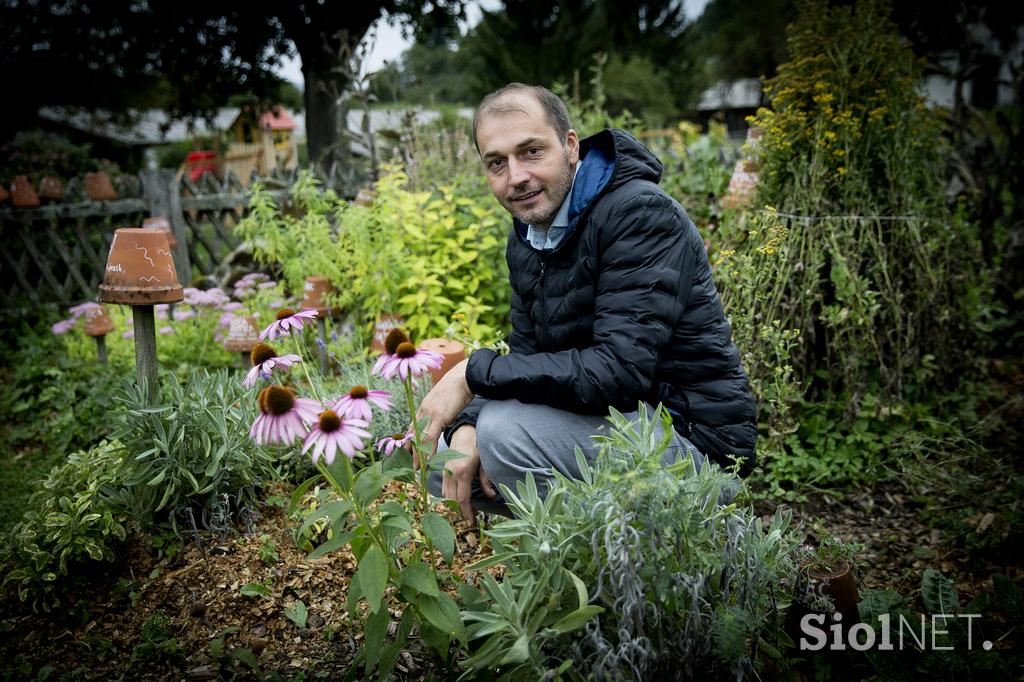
<point>322,324</point>
<point>101,348</point>
<point>145,348</point>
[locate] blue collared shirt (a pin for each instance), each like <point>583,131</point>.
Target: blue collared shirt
<point>550,238</point>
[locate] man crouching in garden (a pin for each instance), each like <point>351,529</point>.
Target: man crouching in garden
<point>612,303</point>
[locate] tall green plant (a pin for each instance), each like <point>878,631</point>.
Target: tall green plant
<point>881,279</point>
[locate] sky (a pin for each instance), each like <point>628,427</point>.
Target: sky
<point>389,44</point>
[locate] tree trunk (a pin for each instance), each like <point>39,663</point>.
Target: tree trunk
<point>326,144</point>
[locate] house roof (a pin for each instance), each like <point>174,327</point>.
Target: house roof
<point>744,93</point>
<point>277,119</point>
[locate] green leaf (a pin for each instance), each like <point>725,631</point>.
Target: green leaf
<point>441,534</point>
<point>442,612</point>
<point>255,590</point>
<point>372,576</point>
<point>576,619</point>
<point>332,511</point>
<point>419,577</point>
<point>519,652</point>
<point>369,485</point>
<point>375,631</point>
<point>297,613</point>
<point>245,656</point>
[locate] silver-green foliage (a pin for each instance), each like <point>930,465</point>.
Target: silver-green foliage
<point>687,580</point>
<point>190,450</point>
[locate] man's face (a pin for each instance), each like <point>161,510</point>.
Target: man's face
<point>529,168</point>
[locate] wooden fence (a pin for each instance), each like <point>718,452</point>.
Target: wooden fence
<point>55,254</point>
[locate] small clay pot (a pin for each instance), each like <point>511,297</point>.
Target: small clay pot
<point>23,194</point>
<point>841,586</point>
<point>51,189</point>
<point>314,291</point>
<point>140,269</point>
<point>4,194</point>
<point>98,322</point>
<point>384,325</point>
<point>242,335</point>
<point>99,187</point>
<point>453,353</point>
<point>161,223</point>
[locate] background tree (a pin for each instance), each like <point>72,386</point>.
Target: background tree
<point>189,56</point>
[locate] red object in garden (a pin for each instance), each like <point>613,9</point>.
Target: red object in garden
<point>23,194</point>
<point>140,270</point>
<point>200,163</point>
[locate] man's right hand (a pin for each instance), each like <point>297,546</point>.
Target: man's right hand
<point>457,479</point>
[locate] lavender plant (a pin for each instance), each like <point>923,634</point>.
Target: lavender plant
<point>682,581</point>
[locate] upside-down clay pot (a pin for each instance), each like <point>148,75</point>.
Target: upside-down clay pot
<point>99,187</point>
<point>161,223</point>
<point>242,335</point>
<point>98,322</point>
<point>23,194</point>
<point>382,328</point>
<point>51,189</point>
<point>140,269</point>
<point>453,353</point>
<point>314,291</point>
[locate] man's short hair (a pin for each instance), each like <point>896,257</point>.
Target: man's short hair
<point>498,103</point>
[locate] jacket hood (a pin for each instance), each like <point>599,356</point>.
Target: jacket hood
<point>608,159</point>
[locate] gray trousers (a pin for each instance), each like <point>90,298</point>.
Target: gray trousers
<point>515,438</point>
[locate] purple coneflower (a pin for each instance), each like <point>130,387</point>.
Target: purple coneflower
<point>283,417</point>
<point>286,321</point>
<point>408,360</point>
<point>356,403</point>
<point>388,444</point>
<point>332,432</point>
<point>264,361</point>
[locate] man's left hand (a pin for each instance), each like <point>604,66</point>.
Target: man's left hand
<point>444,403</point>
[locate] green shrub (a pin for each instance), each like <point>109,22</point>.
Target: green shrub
<point>634,572</point>
<point>423,255</point>
<point>69,523</point>
<point>190,452</point>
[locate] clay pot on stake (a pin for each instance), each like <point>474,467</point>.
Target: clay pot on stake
<point>314,291</point>
<point>242,338</point>
<point>23,194</point>
<point>97,325</point>
<point>161,223</point>
<point>140,273</point>
<point>50,188</point>
<point>99,187</point>
<point>453,353</point>
<point>385,323</point>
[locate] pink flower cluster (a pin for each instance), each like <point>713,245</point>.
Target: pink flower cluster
<point>77,311</point>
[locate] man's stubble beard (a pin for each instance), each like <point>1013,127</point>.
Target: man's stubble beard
<point>561,189</point>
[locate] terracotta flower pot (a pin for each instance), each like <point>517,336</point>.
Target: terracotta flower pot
<point>98,322</point>
<point>384,325</point>
<point>161,223</point>
<point>242,335</point>
<point>99,187</point>
<point>4,194</point>
<point>51,189</point>
<point>841,586</point>
<point>23,194</point>
<point>140,270</point>
<point>314,291</point>
<point>453,353</point>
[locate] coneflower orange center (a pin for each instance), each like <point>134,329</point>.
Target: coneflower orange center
<point>276,400</point>
<point>398,436</point>
<point>261,352</point>
<point>405,350</point>
<point>329,421</point>
<point>283,313</point>
<point>358,392</point>
<point>395,338</point>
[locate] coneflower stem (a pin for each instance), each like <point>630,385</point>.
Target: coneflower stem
<point>312,387</point>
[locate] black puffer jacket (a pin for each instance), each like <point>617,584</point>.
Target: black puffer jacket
<point>623,310</point>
